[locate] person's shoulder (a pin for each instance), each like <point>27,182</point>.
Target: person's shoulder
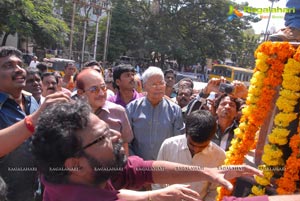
<point>28,96</point>
<point>26,93</point>
<point>216,147</point>
<point>110,92</point>
<point>112,98</point>
<point>3,98</point>
<point>135,102</point>
<point>114,106</point>
<point>173,105</point>
<point>174,140</point>
<point>217,151</point>
<point>169,100</point>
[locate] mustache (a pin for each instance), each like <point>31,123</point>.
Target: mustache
<point>51,88</point>
<point>17,74</point>
<point>184,99</point>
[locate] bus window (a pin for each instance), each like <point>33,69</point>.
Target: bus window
<point>228,73</point>
<point>231,73</point>
<point>219,71</point>
<point>236,75</point>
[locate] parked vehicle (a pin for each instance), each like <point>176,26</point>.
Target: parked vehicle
<point>231,73</point>
<point>58,64</point>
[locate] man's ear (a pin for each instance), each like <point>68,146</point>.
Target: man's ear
<point>117,82</point>
<point>80,92</point>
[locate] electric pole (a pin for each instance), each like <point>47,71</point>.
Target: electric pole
<point>72,30</point>
<point>108,11</point>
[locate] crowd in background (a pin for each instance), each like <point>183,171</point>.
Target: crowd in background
<point>146,114</point>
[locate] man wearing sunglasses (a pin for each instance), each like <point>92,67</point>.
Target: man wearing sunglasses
<point>98,67</point>
<point>80,158</point>
<point>91,85</point>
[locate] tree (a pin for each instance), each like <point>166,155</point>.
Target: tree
<point>188,31</point>
<point>31,19</point>
<point>127,28</point>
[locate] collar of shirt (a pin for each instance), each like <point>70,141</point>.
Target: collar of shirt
<point>184,146</point>
<point>227,130</point>
<point>4,97</point>
<point>120,101</point>
<point>105,108</point>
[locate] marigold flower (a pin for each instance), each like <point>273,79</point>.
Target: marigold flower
<point>258,190</point>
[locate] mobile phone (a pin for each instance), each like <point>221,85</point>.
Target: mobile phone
<point>226,88</point>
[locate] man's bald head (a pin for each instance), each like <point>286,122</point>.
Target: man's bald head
<point>90,85</point>
<point>84,76</point>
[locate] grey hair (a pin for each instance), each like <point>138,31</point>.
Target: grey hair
<point>151,71</point>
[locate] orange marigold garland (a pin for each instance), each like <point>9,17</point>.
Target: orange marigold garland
<point>287,183</point>
<point>267,76</point>
<point>272,157</point>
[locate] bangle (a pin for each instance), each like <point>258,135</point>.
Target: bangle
<point>149,197</point>
<point>29,124</point>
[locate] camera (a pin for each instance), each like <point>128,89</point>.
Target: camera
<point>226,88</point>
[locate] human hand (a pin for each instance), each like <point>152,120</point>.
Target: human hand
<point>50,99</point>
<point>213,85</point>
<point>240,89</point>
<point>175,192</point>
<point>222,174</point>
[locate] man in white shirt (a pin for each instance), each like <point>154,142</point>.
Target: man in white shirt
<point>195,148</point>
<point>34,62</point>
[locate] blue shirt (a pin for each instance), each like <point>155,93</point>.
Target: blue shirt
<point>17,168</point>
<point>152,125</point>
<point>11,112</point>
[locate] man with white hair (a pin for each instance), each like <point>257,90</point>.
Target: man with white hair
<point>153,118</point>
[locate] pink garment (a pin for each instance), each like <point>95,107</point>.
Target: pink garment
<point>133,176</point>
<point>255,198</point>
<point>115,116</point>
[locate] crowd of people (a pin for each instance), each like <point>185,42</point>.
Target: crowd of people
<point>73,138</point>
<point>109,134</point>
<point>116,134</point>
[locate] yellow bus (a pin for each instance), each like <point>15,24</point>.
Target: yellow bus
<point>231,73</point>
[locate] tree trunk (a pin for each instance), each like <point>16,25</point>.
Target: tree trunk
<point>4,39</point>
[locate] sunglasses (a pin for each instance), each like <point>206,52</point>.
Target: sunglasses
<point>96,89</point>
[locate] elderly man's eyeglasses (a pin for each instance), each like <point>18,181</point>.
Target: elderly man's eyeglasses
<point>96,89</point>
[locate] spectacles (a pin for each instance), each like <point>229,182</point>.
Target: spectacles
<point>156,85</point>
<point>107,135</point>
<point>96,89</point>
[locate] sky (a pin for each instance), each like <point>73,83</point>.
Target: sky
<point>277,20</point>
